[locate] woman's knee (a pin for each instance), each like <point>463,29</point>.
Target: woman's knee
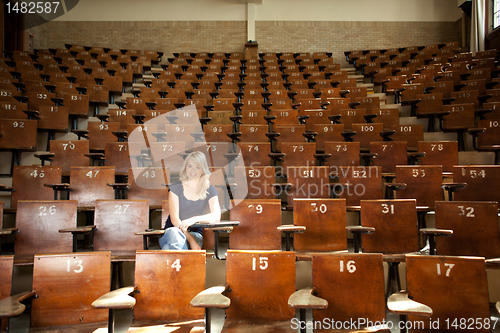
<point>173,238</point>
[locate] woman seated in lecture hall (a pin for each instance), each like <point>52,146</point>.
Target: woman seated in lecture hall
<point>188,202</point>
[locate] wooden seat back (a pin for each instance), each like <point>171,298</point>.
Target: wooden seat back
<point>395,223</point>
<point>412,134</point>
<point>490,137</point>
<point>353,285</point>
<point>479,179</point>
<point>18,134</point>
<point>100,133</point>
<point>254,133</point>
<point>66,285</point>
<point>6,269</point>
<point>260,283</point>
<point>423,183</point>
<point>367,133</point>
<point>343,154</point>
<point>363,183</point>
<point>474,225</point>
<point>39,222</point>
<point>171,269</point>
<point>116,221</point>
<point>120,155</point>
<point>444,153</point>
<point>69,153</point>
<point>389,154</point>
<point>325,222</point>
<point>255,153</point>
<point>258,180</point>
<point>446,284</point>
<point>298,154</point>
<point>29,181</point>
<point>149,184</point>
<point>289,133</point>
<point>90,183</point>
<point>257,230</point>
<point>307,182</point>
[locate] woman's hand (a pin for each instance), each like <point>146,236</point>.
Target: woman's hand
<point>184,226</point>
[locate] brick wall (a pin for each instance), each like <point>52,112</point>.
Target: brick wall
<point>168,36</point>
<point>272,36</point>
<point>338,37</point>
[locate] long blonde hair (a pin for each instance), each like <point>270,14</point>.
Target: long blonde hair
<point>199,158</point>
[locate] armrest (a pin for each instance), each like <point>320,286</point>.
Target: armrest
<point>399,303</point>
<point>360,229</point>
<point>304,299</point>
<point>291,228</point>
<point>8,231</point>
<point>211,298</point>
<point>116,299</point>
<point>215,224</point>
<point>150,232</point>
<point>78,230</point>
<point>436,232</point>
<point>12,306</point>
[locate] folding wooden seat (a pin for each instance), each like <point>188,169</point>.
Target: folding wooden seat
<point>29,181</point>
<point>121,156</point>
<point>137,104</point>
<point>149,184</point>
<point>367,133</point>
<point>486,137</point>
<point>248,296</point>
<point>13,110</point>
<point>168,155</point>
<point>254,182</point>
<point>101,132</point>
<point>423,183</point>
<point>351,116</point>
<point>479,178</point>
<point>255,153</point>
<point>346,288</point>
<point>359,183</point>
<point>217,133</point>
<point>45,226</point>
<point>444,153</point>
<point>325,222</point>
<point>412,134</point>
<point>470,227</point>
<point>69,153</point>
<point>259,221</point>
<point>17,135</point>
<point>289,133</point>
<point>298,154</point>
<point>305,182</point>
<point>343,154</point>
<point>396,233</point>
<point>439,293</point>
<point>216,153</point>
<point>388,155</point>
<point>116,221</point>
<point>124,117</point>
<point>55,277</point>
<point>327,133</point>
<point>464,97</point>
<point>153,267</point>
<point>91,183</point>
<point>459,119</point>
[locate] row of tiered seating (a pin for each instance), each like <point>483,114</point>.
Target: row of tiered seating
<point>283,132</point>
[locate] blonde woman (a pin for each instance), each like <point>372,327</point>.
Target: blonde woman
<point>190,200</point>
